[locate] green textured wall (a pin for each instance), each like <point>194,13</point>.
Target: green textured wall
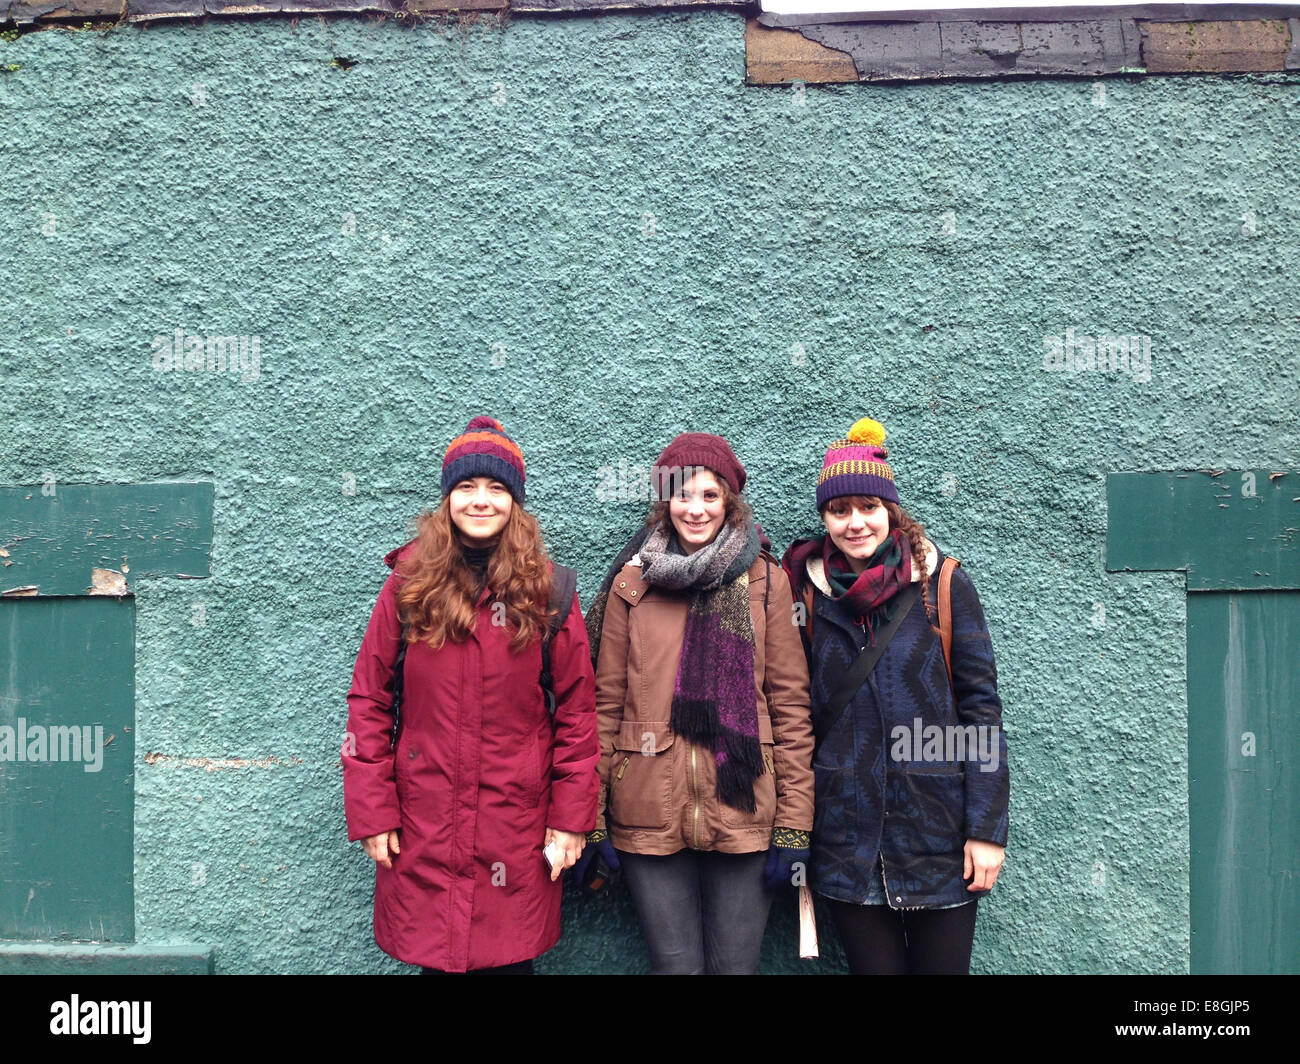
<point>648,240</point>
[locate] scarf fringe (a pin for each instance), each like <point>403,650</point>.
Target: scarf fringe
<point>740,763</point>
<point>695,719</point>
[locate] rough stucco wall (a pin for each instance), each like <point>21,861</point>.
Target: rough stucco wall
<point>503,183</point>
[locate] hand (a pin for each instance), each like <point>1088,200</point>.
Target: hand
<point>378,847</point>
<point>598,846</point>
<point>789,854</point>
<point>571,845</point>
<point>984,861</point>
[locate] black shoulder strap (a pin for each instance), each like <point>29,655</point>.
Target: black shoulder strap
<point>399,681</point>
<point>865,662</point>
<point>808,596</point>
<point>564,582</point>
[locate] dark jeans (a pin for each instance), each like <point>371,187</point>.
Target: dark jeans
<point>521,968</point>
<point>879,940</point>
<point>701,911</point>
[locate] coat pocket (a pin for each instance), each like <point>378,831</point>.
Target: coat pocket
<point>764,787</point>
<point>641,783</point>
<point>934,768</point>
<point>935,799</point>
<point>541,769</point>
<point>404,758</point>
<point>834,806</point>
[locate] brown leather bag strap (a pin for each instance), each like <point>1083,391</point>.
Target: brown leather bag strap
<point>945,612</point>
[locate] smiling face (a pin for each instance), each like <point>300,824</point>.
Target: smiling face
<point>697,511</point>
<point>479,508</point>
<point>857,525</point>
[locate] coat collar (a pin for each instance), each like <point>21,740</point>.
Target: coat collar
<point>630,586</point>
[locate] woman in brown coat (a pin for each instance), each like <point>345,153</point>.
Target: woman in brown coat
<point>705,736</point>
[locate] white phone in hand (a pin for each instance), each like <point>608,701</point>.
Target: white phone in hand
<point>553,854</point>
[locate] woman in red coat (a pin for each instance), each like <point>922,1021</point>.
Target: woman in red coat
<point>457,814</point>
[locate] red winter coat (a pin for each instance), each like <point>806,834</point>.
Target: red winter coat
<point>478,775</point>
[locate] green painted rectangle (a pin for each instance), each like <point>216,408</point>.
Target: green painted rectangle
<point>67,798</point>
<point>1237,531</point>
<point>55,534</point>
<point>1243,700</point>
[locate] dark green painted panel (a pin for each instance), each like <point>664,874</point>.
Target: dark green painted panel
<point>57,534</point>
<point>66,818</point>
<point>1237,531</point>
<point>1242,651</point>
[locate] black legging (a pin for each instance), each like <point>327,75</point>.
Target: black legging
<point>879,940</point>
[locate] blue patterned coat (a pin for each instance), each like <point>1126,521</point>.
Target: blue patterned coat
<point>879,789</point>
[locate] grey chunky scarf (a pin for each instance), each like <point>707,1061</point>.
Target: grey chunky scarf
<point>714,702</point>
<point>731,553</point>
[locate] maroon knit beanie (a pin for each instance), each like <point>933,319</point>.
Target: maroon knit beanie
<point>692,449</point>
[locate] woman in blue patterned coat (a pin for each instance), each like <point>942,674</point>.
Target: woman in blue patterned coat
<point>910,820</point>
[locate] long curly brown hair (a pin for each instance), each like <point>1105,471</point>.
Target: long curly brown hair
<point>909,526</point>
<point>439,588</point>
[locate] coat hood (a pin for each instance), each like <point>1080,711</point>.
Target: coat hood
<point>391,558</point>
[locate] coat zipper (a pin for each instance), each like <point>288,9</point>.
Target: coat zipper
<point>885,881</point>
<point>880,708</point>
<point>623,767</point>
<point>695,802</point>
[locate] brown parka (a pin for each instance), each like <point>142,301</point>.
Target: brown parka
<point>657,790</point>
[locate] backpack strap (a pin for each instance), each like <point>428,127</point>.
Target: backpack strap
<point>945,612</point>
<point>808,597</point>
<point>399,681</point>
<point>564,582</point>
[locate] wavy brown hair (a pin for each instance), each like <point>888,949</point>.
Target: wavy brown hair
<point>737,511</point>
<point>905,523</point>
<point>439,588</point>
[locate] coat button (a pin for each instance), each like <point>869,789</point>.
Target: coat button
<point>632,592</point>
<point>622,583</point>
<point>898,897</point>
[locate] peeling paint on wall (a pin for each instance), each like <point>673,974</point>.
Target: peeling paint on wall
<point>107,582</point>
<point>909,50</point>
<point>217,764</point>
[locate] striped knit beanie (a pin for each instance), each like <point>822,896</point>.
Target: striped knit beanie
<point>856,465</point>
<point>484,450</point>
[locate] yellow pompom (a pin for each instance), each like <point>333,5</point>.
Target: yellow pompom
<point>867,431</point>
